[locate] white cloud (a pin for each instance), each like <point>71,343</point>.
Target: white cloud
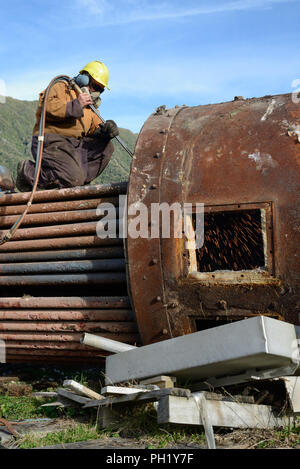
<point>129,11</point>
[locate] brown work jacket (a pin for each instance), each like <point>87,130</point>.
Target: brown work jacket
<point>65,115</point>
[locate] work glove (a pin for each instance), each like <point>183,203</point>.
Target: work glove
<point>95,95</point>
<point>109,129</point>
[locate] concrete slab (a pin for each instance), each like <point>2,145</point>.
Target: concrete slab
<point>258,344</point>
<point>179,410</point>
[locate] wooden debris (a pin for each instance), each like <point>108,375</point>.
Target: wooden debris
<point>121,390</point>
<point>61,402</point>
<point>80,389</point>
<point>44,395</point>
<point>140,396</point>
<point>162,382</point>
<point>73,397</point>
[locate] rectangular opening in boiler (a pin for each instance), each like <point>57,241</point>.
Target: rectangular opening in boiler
<point>233,241</point>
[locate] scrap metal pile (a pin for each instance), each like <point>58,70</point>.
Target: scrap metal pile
<point>58,279</point>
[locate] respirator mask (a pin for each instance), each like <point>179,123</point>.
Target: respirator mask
<point>83,81</point>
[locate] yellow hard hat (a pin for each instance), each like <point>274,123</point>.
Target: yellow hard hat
<point>98,71</point>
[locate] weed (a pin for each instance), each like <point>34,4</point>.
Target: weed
<point>18,408</point>
<point>79,432</point>
<point>140,423</point>
<point>81,378</point>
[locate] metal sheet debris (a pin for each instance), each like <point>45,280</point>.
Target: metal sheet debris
<point>256,344</point>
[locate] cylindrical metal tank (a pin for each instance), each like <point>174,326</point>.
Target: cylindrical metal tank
<point>240,159</point>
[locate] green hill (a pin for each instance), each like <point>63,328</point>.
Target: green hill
<point>16,123</point>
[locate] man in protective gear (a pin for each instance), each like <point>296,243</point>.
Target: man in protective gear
<point>77,145</point>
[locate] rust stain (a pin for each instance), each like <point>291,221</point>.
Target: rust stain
<point>232,155</point>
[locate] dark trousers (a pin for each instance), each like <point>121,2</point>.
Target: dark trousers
<point>68,162</point>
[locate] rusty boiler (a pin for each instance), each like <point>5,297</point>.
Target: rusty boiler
<point>239,161</point>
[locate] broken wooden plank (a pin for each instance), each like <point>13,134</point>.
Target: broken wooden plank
<point>179,410</point>
<point>120,390</point>
<point>54,404</point>
<point>44,395</point>
<point>161,381</point>
<point>73,397</point>
<point>140,396</point>
<point>80,389</point>
<point>61,402</point>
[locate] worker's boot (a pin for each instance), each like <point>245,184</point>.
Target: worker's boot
<point>21,182</point>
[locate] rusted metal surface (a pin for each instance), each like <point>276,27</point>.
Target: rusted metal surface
<point>58,243</point>
<point>53,217</point>
<point>109,278</point>
<point>45,345</point>
<point>92,315</point>
<point>94,265</point>
<point>67,205</point>
<point>66,194</point>
<point>70,254</point>
<point>56,230</point>
<point>55,250</point>
<point>63,337</point>
<point>145,274</point>
<point>65,302</point>
<point>239,155</point>
<point>57,353</point>
<point>75,326</point>
<point>54,359</point>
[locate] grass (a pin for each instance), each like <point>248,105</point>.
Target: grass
<point>152,437</point>
<point>140,423</point>
<point>288,437</point>
<point>79,432</point>
<point>136,424</point>
<point>20,408</point>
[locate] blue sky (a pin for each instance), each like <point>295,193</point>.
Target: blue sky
<point>158,52</point>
